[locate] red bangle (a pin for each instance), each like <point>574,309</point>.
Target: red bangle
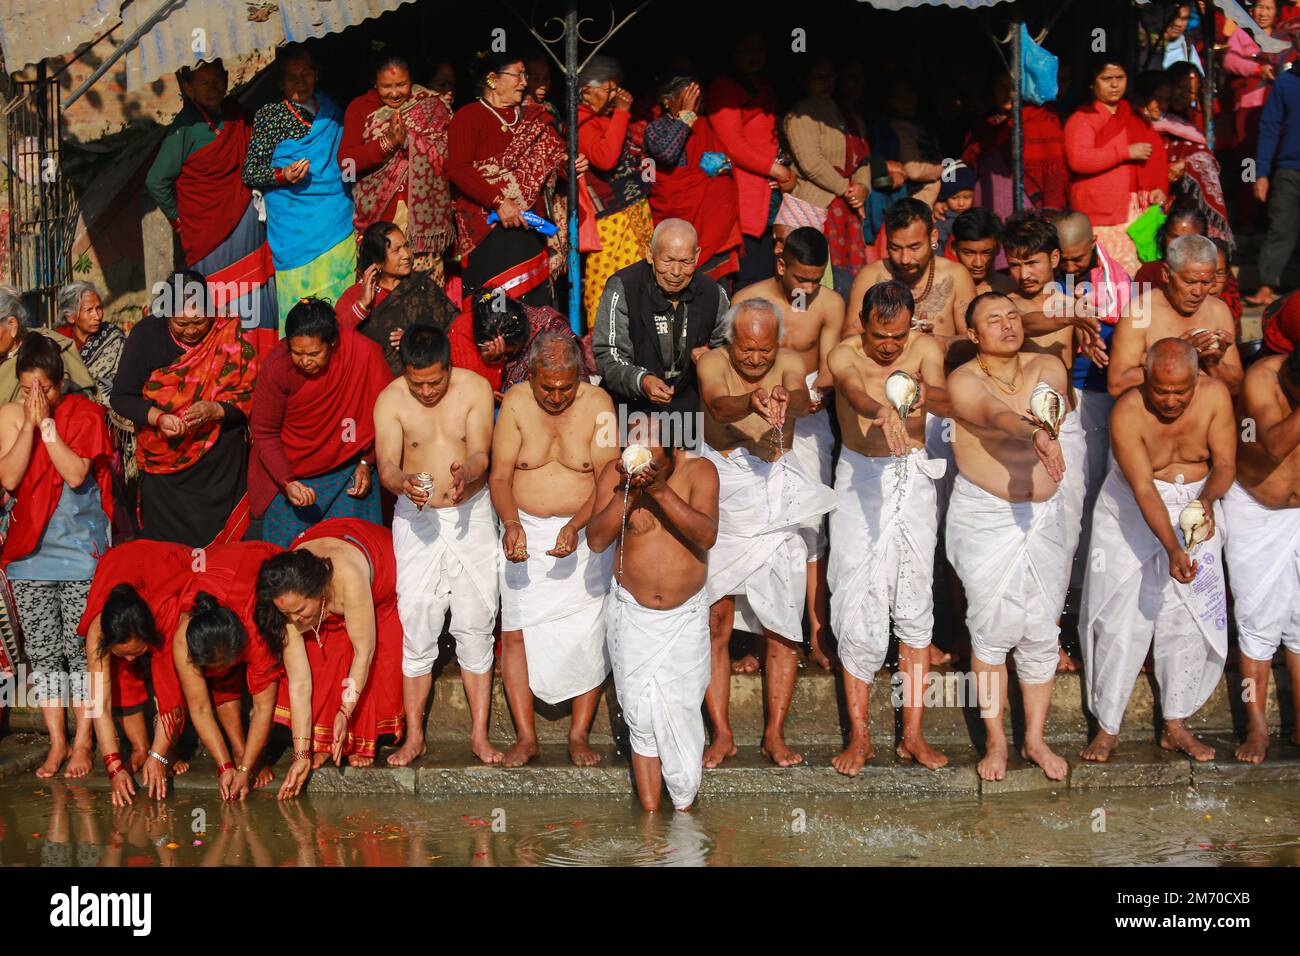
<point>109,758</point>
<point>222,768</point>
<point>116,770</point>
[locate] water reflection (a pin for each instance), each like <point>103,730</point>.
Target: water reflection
<point>55,824</point>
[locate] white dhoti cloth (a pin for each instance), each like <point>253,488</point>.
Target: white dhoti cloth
<point>888,524</point>
<point>1129,598</point>
<point>939,447</point>
<point>1094,417</point>
<point>1263,551</point>
<point>760,551</point>
<point>661,669</point>
<point>812,446</point>
<point>1074,449</point>
<point>447,559</point>
<point>1012,562</point>
<point>559,604</point>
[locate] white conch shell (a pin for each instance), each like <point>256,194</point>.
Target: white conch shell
<point>902,391</point>
<point>1048,406</point>
<point>636,459</point>
<point>1215,346</point>
<point>426,482</point>
<point>1192,522</point>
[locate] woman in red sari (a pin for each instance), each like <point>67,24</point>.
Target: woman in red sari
<point>693,176</point>
<point>502,153</point>
<point>216,651</point>
<point>1116,161</point>
<point>395,137</point>
<point>134,600</point>
<point>331,603</point>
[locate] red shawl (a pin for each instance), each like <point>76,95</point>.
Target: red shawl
<point>709,203</point>
<point>1044,150</point>
<point>230,575</point>
<point>314,426</point>
<point>80,423</point>
<point>416,172</point>
<point>221,368</point>
<point>157,570</point>
<point>210,193</point>
<point>529,163</point>
<point>1146,176</point>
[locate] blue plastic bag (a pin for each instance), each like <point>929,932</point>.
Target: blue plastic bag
<point>1037,71</point>
<point>714,163</point>
<point>531,221</point>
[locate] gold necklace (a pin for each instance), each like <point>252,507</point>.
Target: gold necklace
<point>1009,388</point>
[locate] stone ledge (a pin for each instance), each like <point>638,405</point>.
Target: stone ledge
<point>454,775</point>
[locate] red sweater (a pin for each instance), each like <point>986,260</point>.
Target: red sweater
<point>366,155</point>
<point>1102,177</point>
<point>746,124</point>
<point>476,134</point>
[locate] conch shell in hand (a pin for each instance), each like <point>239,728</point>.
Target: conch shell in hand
<point>1047,406</point>
<point>1192,522</point>
<point>636,459</point>
<point>902,391</point>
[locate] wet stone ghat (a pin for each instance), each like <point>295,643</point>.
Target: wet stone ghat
<point>449,770</point>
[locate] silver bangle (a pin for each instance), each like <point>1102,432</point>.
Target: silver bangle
<point>160,758</point>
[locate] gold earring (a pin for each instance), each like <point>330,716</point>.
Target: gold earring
<point>491,85</point>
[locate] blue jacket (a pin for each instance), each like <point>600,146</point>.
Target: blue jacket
<point>1279,127</point>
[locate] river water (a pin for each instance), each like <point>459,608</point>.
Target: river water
<point>44,824</point>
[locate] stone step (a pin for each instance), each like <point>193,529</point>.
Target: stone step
<point>453,773</point>
<point>818,717</point>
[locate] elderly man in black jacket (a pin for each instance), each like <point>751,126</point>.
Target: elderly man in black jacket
<point>654,319</point>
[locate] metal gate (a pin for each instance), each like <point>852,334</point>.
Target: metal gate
<point>42,222</point>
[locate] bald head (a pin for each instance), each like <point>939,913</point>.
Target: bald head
<point>1172,359</point>
<point>1073,229</point>
<point>755,318</point>
<point>674,232</point>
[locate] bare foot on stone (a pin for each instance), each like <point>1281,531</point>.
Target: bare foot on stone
<point>1053,765</point>
<point>1101,747</point>
<point>916,748</point>
<point>318,760</point>
<point>356,760</point>
<point>1065,664</point>
<point>1255,747</point>
<point>412,749</point>
<point>53,761</point>
<point>484,751</point>
<point>746,665</point>
<point>939,656</point>
<point>775,750</point>
<point>581,754</point>
<point>79,764</point>
<point>818,653</point>
<point>518,755</point>
<point>854,757</point>
<point>993,766</point>
<point>1176,736</point>
<point>723,746</point>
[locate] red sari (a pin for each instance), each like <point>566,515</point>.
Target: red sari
<point>379,710</point>
<point>157,570</point>
<point>230,575</point>
<point>80,423</point>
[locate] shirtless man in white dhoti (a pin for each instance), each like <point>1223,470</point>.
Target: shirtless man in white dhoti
<point>1033,254</point>
<point>546,454</point>
<point>657,612</point>
<point>1263,511</point>
<point>1182,309</point>
<point>814,320</point>
<point>752,391</point>
<point>437,420</point>
<point>1006,531</point>
<point>886,522</point>
<point>1174,443</point>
